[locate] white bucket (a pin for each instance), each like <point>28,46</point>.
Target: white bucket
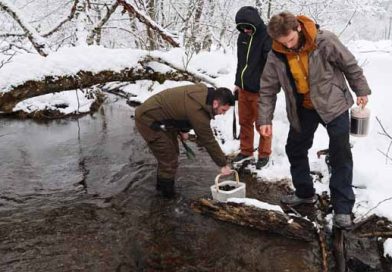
<point>238,191</point>
<point>359,122</point>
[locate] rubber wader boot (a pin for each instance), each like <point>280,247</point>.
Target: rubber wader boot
<point>166,187</point>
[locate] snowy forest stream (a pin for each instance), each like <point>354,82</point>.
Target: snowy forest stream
<point>79,195</point>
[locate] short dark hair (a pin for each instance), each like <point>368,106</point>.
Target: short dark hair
<point>224,96</point>
<point>281,24</point>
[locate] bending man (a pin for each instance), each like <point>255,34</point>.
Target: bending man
<point>170,114</point>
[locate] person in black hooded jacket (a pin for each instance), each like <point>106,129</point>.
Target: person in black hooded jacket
<point>253,45</point>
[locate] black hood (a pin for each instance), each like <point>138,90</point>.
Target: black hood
<point>249,15</point>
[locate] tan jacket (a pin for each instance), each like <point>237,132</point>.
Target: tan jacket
<point>183,108</point>
<point>330,64</point>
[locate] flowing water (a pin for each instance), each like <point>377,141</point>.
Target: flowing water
<point>79,195</point>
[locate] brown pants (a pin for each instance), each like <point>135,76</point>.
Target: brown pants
<point>164,146</point>
<point>248,104</point>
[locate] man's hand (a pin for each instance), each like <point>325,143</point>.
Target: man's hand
<point>362,100</point>
<point>226,170</point>
<point>266,130</point>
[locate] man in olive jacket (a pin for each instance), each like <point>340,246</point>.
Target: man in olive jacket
<point>312,66</point>
<point>253,45</point>
<point>170,114</point>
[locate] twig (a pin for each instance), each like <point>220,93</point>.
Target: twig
<point>382,127</point>
<point>385,154</point>
<point>378,204</point>
<point>59,25</point>
<point>4,62</point>
<point>348,23</point>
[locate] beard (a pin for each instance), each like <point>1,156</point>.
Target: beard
<point>301,41</point>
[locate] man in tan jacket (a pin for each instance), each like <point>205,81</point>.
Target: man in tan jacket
<point>312,66</point>
<point>170,114</point>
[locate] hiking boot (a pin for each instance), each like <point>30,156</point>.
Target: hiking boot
<point>294,200</point>
<point>240,158</point>
<point>166,187</point>
<point>261,162</point>
<point>342,221</point>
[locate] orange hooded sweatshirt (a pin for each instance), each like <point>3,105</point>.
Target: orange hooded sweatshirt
<point>299,59</point>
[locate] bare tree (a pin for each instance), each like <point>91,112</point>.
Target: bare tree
<point>97,28</point>
<point>35,38</point>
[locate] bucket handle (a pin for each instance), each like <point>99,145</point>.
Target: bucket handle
<point>218,176</point>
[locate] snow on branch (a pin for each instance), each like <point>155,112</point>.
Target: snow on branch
<point>38,41</point>
<point>194,74</point>
<point>98,26</point>
<point>145,19</point>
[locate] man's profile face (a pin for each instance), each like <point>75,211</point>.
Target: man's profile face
<point>291,40</point>
<point>217,108</point>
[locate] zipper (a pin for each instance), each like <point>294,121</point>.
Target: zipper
<point>247,56</point>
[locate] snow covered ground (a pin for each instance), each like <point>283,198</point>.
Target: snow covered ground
<point>372,168</point>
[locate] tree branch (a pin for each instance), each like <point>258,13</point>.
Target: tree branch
<point>67,19</point>
<point>194,74</point>
<point>383,129</point>
<point>99,24</point>
<point>37,41</point>
<point>149,22</point>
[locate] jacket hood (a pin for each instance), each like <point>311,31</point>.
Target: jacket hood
<point>309,29</point>
<point>249,16</point>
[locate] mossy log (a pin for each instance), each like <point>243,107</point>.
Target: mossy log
<point>260,219</point>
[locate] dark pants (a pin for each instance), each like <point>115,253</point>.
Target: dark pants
<point>298,144</point>
<point>164,146</point>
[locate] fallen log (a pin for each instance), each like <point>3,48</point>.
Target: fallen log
<point>83,79</point>
<point>260,219</point>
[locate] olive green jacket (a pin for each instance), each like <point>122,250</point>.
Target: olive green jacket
<point>330,65</point>
<point>183,108</point>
